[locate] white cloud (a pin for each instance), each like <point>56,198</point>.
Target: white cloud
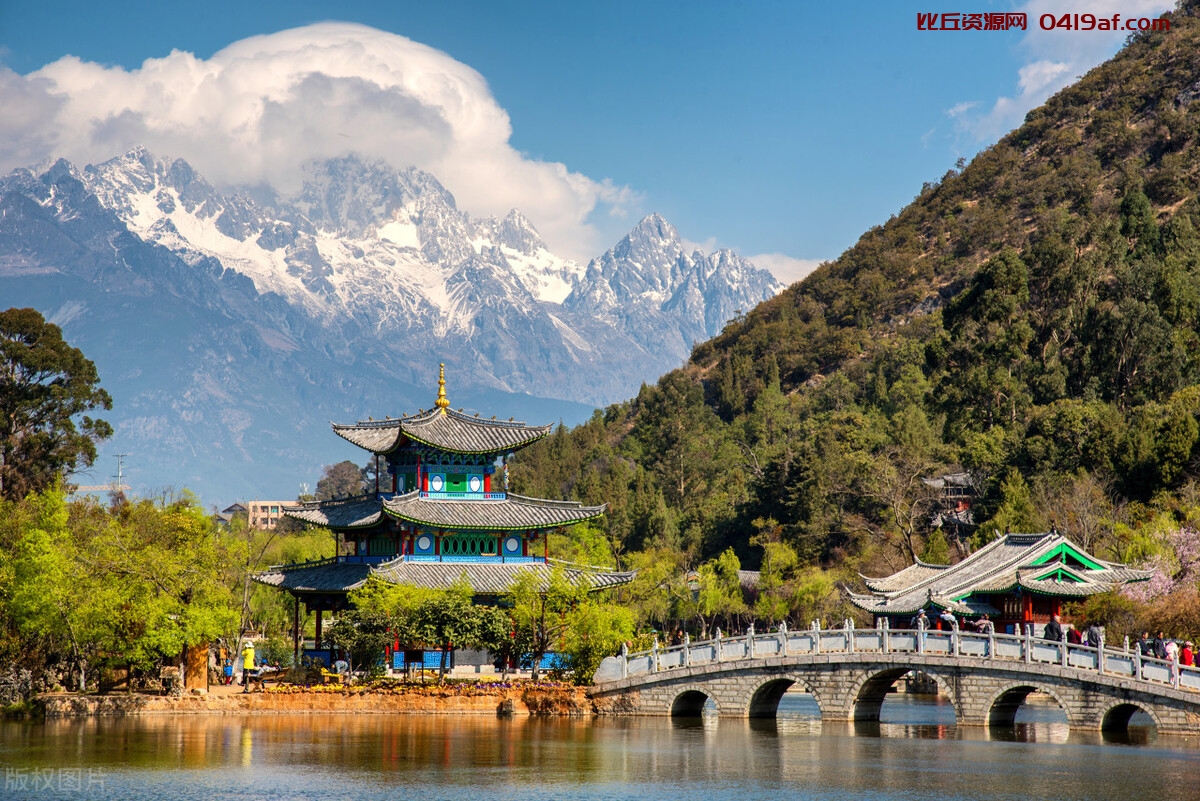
<point>959,109</point>
<point>1054,59</point>
<point>787,269</point>
<point>707,246</point>
<point>261,107</point>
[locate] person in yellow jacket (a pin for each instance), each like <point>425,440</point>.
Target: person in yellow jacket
<point>247,664</point>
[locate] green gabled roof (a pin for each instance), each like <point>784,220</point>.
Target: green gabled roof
<point>1065,550</point>
<point>1002,566</point>
<point>1061,574</point>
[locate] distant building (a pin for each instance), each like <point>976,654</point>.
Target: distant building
<point>224,518</point>
<point>264,515</point>
<point>952,512</point>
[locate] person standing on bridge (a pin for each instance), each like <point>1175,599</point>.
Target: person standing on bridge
<point>1094,637</point>
<point>1187,657</point>
<point>1054,630</point>
<point>986,628</point>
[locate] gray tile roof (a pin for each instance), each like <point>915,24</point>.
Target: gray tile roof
<point>486,578</point>
<point>378,436</point>
<point>1000,566</point>
<point>358,512</point>
<point>514,513</point>
<point>326,575</point>
<point>490,578</point>
<point>450,431</point>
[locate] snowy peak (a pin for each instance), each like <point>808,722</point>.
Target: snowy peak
<point>347,195</point>
<point>517,232</point>
<point>649,272</point>
<point>377,259</point>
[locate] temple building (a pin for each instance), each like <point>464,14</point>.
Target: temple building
<point>440,510</point>
<point>1017,580</point>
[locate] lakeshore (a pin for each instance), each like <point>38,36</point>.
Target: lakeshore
<point>517,698</point>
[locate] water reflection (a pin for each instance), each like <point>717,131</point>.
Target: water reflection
<point>912,750</point>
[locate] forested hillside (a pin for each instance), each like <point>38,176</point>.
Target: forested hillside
<point>1032,319</point>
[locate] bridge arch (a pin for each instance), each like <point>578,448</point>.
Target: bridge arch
<point>689,701</point>
<point>1001,709</point>
<point>1116,716</point>
<point>765,698</point>
<point>869,694</point>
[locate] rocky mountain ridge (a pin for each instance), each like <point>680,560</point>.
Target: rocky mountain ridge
<point>222,319</point>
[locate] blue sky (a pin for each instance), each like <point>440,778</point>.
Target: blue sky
<point>770,127</point>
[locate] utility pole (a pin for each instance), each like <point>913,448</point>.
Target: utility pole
<point>120,471</point>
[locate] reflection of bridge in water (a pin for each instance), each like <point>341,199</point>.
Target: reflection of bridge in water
<point>850,671</point>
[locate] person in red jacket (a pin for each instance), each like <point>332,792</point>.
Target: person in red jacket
<point>1187,657</point>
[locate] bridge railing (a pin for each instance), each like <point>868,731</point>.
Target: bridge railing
<point>883,640</point>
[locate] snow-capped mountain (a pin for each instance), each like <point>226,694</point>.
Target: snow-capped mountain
<point>226,321</point>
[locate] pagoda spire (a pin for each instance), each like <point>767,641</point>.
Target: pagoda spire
<point>442,401</point>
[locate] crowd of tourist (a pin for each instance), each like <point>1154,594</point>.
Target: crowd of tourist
<point>1176,653</point>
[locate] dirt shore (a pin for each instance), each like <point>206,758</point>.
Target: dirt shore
<point>454,699</point>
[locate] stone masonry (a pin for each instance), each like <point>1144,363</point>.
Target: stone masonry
<point>852,686</point>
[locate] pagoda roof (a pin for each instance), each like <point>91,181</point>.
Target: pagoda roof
<point>443,429</point>
<point>329,575</point>
<point>361,512</point>
<point>492,578</point>
<point>325,575</point>
<point>1046,564</point>
<point>512,513</point>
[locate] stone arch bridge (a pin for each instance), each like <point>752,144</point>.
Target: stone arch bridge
<point>850,671</point>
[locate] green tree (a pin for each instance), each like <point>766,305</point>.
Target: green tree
<point>719,591</point>
<point>937,550</point>
<point>1015,512</point>
<point>54,596</point>
<point>342,480</point>
<point>44,385</point>
<point>779,560</point>
<point>450,618</point>
<point>593,631</point>
<point>362,634</point>
<point>539,613</point>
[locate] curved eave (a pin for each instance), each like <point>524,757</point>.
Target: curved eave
<point>341,515</point>
<point>1063,588</point>
<point>326,576</point>
<point>456,515</point>
<point>443,525</point>
<point>871,603</point>
<point>378,438</point>
<point>473,452</point>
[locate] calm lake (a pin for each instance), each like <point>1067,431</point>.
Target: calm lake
<point>915,752</point>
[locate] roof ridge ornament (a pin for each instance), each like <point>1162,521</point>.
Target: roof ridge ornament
<point>442,402</point>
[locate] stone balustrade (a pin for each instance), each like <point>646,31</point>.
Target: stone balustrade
<point>867,662</point>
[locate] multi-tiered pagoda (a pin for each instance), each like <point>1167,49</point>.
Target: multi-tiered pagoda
<point>440,510</point>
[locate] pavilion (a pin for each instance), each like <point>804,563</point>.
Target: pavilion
<point>442,512</point>
<point>1017,580</point>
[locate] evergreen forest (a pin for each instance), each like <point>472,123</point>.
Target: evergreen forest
<point>1030,323</point>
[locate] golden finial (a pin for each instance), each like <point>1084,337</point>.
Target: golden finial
<point>442,401</point>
